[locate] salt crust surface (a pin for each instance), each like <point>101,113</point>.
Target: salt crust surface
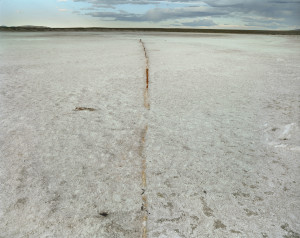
<point>222,146</point>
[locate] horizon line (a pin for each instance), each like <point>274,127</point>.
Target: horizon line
<point>157,29</point>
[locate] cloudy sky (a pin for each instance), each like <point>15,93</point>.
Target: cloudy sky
<point>233,14</point>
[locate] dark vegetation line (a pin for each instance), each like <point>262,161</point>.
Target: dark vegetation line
<point>83,29</point>
<point>144,207</point>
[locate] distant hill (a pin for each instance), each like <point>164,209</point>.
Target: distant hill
<point>99,29</point>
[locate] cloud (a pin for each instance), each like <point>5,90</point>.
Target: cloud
<point>246,12</point>
<point>63,10</point>
<point>277,9</point>
<point>200,22</point>
<point>117,2</point>
<point>158,14</point>
<point>62,0</point>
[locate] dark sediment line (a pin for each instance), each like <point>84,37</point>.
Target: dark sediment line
<point>144,206</point>
<point>188,30</point>
<point>147,78</point>
<point>146,91</point>
<point>141,150</point>
<point>84,109</point>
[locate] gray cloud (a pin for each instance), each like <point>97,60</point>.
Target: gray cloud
<point>200,22</point>
<point>108,3</point>
<point>277,9</point>
<point>158,14</point>
<point>280,13</point>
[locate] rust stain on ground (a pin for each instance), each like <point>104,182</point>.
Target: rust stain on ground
<point>146,91</point>
<point>147,78</point>
<point>144,166</point>
<point>141,150</point>
<point>146,102</point>
<point>144,182</point>
<point>145,219</point>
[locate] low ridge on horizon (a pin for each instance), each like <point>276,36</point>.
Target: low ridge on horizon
<point>157,29</point>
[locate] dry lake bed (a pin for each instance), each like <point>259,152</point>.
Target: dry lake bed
<point>210,148</point>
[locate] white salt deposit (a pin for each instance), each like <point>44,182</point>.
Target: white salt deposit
<point>220,140</point>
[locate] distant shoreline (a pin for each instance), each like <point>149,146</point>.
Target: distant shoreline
<point>100,29</point>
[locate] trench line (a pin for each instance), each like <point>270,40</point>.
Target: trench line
<point>142,144</point>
